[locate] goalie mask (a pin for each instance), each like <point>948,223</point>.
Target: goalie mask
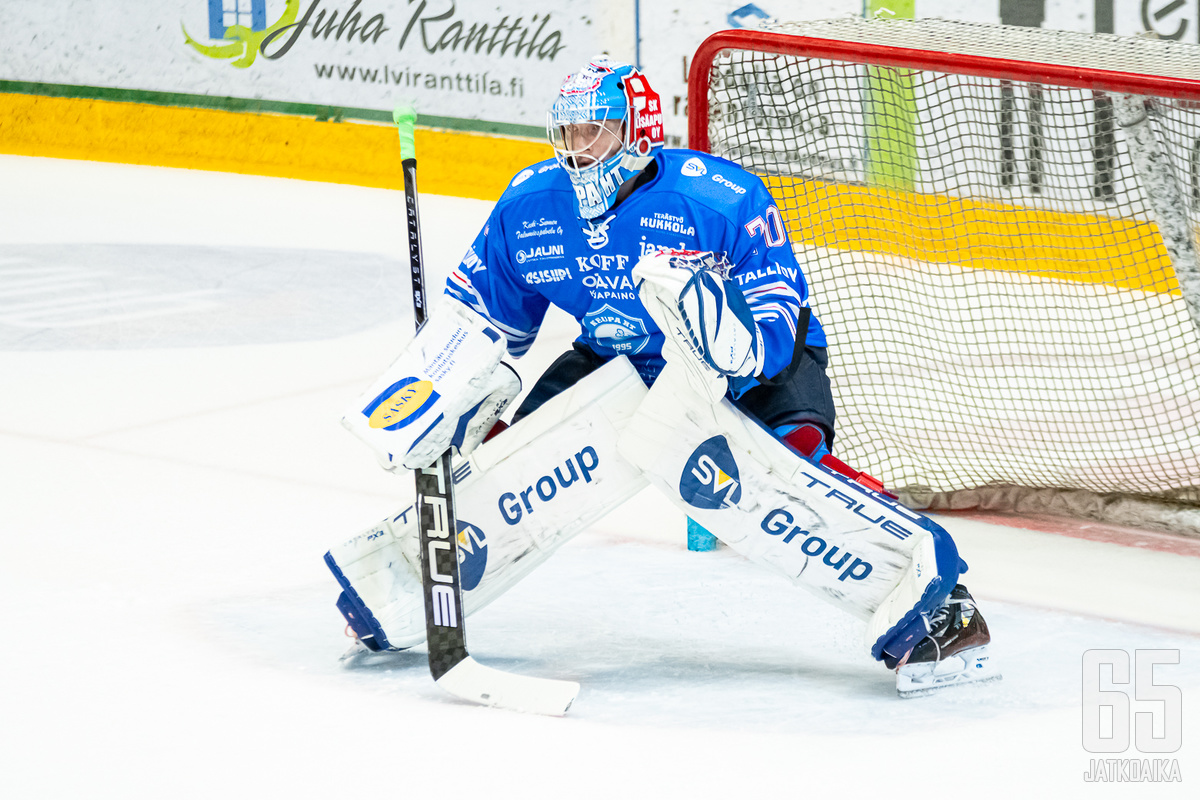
<point>605,127</point>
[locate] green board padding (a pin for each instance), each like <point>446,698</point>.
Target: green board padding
<point>898,9</point>
<point>891,111</point>
<point>891,121</point>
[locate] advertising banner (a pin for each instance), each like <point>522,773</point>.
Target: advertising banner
<point>670,32</point>
<point>497,60</point>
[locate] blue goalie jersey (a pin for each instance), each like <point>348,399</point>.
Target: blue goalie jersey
<point>534,251</point>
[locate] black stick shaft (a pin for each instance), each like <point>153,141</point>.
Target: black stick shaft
<point>415,256</point>
<point>437,523</point>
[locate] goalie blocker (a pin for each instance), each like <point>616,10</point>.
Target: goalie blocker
<point>444,392</point>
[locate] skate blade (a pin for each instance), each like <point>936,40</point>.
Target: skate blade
<point>359,655</point>
<point>968,667</point>
<point>922,690</point>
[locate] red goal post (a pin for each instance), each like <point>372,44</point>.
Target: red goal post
<point>997,225</point>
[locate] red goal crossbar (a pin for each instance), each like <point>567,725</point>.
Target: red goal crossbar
<point>890,56</point>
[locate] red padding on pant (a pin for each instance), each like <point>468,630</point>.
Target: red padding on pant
<point>498,428</point>
<point>805,439</point>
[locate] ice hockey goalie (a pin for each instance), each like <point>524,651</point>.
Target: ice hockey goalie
<point>699,369</point>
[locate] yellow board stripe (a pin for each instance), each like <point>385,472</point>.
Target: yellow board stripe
<point>363,154</point>
<point>922,227</point>
<point>939,229</point>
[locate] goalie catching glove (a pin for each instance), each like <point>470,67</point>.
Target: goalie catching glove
<point>444,392</point>
<point>706,320</point>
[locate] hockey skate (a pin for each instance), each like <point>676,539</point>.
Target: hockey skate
<point>954,652</point>
<point>364,653</point>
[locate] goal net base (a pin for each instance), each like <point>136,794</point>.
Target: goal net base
<point>1145,513</point>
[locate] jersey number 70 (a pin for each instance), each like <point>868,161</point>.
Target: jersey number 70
<point>772,229</point>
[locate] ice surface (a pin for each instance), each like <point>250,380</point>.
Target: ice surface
<point>171,482</point>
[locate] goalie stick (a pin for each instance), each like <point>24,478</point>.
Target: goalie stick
<point>449,662</point>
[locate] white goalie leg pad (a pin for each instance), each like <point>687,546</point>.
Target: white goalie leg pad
<point>444,392</point>
<point>519,497</point>
<point>857,549</point>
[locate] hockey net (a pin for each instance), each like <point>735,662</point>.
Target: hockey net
<point>996,224</point>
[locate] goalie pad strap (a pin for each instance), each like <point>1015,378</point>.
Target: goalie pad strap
<point>787,373</point>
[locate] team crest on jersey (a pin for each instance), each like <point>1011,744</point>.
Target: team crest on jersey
<point>472,555</point>
<point>623,333</point>
<point>693,168</point>
<point>400,404</point>
<point>710,476</point>
<point>597,232</point>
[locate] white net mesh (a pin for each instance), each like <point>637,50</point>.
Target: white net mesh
<point>1001,307</point>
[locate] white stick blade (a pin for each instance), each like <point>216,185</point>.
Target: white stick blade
<point>470,680</point>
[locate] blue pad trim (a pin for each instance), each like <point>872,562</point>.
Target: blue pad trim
<point>913,626</point>
<point>460,432</point>
<point>359,617</point>
<point>354,617</point>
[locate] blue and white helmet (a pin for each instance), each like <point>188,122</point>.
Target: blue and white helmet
<point>605,127</point>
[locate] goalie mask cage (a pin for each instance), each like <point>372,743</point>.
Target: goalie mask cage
<point>997,227</point>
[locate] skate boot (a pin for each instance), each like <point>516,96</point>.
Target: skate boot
<point>954,652</point>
